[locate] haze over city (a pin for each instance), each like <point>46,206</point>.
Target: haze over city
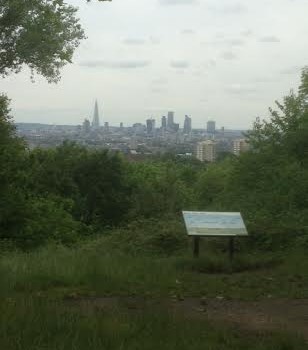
<point>227,60</point>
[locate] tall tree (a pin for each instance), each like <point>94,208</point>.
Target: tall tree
<point>12,157</point>
<point>287,128</point>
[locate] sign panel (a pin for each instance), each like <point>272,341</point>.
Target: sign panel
<point>214,224</point>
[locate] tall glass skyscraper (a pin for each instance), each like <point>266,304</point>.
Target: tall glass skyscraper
<point>95,122</point>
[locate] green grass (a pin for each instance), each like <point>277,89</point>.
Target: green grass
<point>35,312</point>
<point>39,323</point>
<point>95,269</point>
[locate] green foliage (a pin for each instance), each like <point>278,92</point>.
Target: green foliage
<point>103,189</point>
<point>93,180</point>
<point>48,220</point>
<point>211,184</point>
<point>268,184</point>
<point>41,34</point>
<point>12,175</point>
<point>161,187</point>
<point>150,236</point>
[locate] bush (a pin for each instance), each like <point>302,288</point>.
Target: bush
<point>150,237</point>
<point>48,220</point>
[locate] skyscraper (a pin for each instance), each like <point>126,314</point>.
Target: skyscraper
<point>86,126</point>
<point>150,126</point>
<point>170,120</point>
<point>187,125</point>
<point>211,127</point>
<point>164,122</point>
<point>95,122</point>
<point>106,126</point>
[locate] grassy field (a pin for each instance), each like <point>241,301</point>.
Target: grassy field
<point>96,269</point>
<point>36,287</point>
<point>34,323</point>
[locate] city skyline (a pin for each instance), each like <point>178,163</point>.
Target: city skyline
<point>228,62</point>
<point>166,122</point>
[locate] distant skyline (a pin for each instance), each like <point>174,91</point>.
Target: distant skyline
<point>226,61</point>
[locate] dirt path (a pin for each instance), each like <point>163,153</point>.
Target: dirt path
<point>264,315</point>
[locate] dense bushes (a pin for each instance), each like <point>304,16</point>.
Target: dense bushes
<point>150,236</point>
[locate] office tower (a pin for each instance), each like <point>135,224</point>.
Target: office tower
<point>106,126</point>
<point>95,122</point>
<point>170,120</point>
<point>211,127</point>
<point>206,151</point>
<point>164,122</point>
<point>86,126</point>
<point>187,125</point>
<point>150,126</point>
<point>176,127</point>
<point>121,125</point>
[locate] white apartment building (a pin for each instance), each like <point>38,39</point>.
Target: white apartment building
<point>206,151</point>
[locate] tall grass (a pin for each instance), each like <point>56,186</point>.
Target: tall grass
<point>36,324</point>
<point>98,269</point>
<point>84,269</point>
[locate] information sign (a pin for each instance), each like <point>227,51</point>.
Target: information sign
<point>214,224</point>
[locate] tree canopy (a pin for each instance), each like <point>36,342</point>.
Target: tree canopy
<point>41,34</point>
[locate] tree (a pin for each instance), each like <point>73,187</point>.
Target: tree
<point>287,129</point>
<point>41,34</point>
<point>269,184</point>
<point>12,156</point>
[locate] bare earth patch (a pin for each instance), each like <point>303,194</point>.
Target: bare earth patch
<point>265,315</point>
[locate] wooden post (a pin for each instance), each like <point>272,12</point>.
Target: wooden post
<point>231,248</point>
<point>196,246</point>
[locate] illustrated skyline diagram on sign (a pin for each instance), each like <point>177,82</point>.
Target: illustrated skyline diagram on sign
<point>214,224</point>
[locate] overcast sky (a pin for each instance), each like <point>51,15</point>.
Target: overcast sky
<point>211,59</point>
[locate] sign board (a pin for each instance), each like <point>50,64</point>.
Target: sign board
<point>214,224</point>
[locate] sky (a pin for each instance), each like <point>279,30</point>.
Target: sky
<point>223,60</point>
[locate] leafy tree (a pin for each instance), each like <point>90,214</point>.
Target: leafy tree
<point>103,191</point>
<point>160,188</point>
<point>41,34</point>
<point>12,160</point>
<point>269,184</point>
<point>287,129</point>
<point>94,181</point>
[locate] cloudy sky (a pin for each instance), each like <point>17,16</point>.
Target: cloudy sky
<point>212,59</point>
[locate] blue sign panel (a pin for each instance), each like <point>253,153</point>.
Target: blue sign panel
<point>214,224</point>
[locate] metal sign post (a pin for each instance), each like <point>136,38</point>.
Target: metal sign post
<point>231,248</point>
<point>196,246</point>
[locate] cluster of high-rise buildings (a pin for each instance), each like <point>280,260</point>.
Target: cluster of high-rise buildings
<point>205,144</point>
<point>168,125</point>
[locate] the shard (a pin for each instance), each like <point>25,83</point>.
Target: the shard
<point>95,121</point>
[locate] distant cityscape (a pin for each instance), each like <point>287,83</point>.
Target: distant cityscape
<point>140,140</point>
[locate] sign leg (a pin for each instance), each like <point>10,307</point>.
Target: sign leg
<point>196,246</point>
<point>231,248</point>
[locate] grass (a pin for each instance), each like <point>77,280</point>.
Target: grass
<point>93,269</point>
<point>35,313</point>
<point>37,323</point>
